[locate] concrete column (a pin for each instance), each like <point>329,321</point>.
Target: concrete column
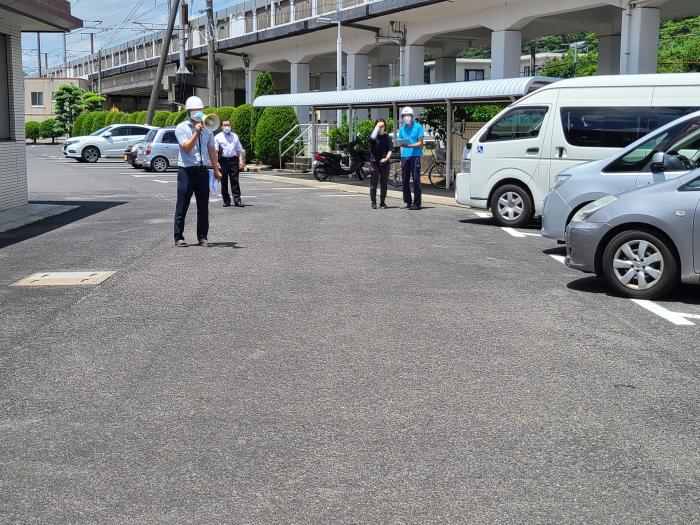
<point>273,13</point>
<point>609,55</point>
<point>300,83</point>
<point>445,69</point>
<point>250,77</point>
<point>358,72</point>
<point>314,7</point>
<point>292,15</point>
<point>639,40</point>
<point>381,77</point>
<point>413,66</point>
<point>327,83</point>
<point>505,54</point>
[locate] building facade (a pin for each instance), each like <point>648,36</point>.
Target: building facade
<point>38,95</point>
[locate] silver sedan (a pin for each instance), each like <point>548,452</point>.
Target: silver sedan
<point>644,241</point>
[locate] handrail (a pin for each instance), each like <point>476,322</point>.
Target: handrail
<point>302,139</point>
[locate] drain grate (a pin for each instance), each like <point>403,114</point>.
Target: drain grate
<point>64,279</point>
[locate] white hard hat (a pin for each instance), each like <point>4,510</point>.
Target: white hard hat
<point>194,103</point>
<point>407,111</point>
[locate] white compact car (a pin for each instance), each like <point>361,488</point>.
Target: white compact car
<point>512,162</point>
<point>110,141</point>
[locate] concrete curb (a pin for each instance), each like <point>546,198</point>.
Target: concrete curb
<point>363,190</point>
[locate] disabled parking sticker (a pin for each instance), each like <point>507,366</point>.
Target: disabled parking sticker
<point>479,149</point>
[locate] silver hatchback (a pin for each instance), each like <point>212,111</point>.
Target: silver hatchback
<point>159,150</point>
<point>644,241</point>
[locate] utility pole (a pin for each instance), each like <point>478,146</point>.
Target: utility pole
<point>184,23</point>
<point>38,50</point>
<point>99,71</point>
<point>46,64</point>
<point>165,50</point>
<point>211,54</point>
<point>339,63</point>
<point>65,56</point>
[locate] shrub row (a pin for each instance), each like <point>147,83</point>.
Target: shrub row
<point>48,129</point>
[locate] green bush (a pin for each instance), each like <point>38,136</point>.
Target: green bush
<point>87,123</point>
<point>99,120</point>
<point>32,130</point>
<point>121,118</point>
<point>225,112</point>
<point>175,118</point>
<point>242,125</point>
<point>272,125</point>
<point>483,113</point>
<point>131,118</point>
<point>140,117</point>
<point>50,129</point>
<point>77,130</point>
<point>160,118</point>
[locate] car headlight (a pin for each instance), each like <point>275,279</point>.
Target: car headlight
<point>561,179</point>
<point>69,142</point>
<point>589,209</point>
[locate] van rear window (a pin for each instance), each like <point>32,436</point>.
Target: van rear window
<point>609,127</point>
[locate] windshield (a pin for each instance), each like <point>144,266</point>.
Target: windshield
<point>100,131</point>
<point>150,136</point>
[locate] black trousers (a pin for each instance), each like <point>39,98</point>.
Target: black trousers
<point>410,170</point>
<point>192,180</point>
<point>380,174</point>
<point>229,172</point>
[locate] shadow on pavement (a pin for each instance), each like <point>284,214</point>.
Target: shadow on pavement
<point>86,209</point>
<point>488,221</point>
<point>227,244</point>
<point>683,293</point>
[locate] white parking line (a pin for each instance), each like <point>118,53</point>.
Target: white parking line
<point>151,175</point>
<point>515,233</point>
<point>163,181</point>
<point>296,188</point>
<point>483,214</point>
<point>559,258</point>
<point>677,318</point>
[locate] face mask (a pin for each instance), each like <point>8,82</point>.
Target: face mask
<point>227,129</point>
<point>198,116</point>
<point>407,120</point>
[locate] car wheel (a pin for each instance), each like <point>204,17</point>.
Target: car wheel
<point>640,265</point>
<point>90,154</point>
<point>511,206</point>
<point>159,164</point>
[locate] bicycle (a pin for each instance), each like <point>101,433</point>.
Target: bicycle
<point>435,170</point>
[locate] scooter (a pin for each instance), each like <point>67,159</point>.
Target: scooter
<point>327,165</point>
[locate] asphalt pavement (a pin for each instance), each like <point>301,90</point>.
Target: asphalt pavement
<point>325,362</point>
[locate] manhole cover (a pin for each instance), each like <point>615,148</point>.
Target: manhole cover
<point>64,278</point>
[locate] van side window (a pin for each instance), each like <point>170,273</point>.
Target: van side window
<point>518,124</point>
<point>169,138</point>
<point>609,127</point>
<point>693,185</point>
<point>681,141</point>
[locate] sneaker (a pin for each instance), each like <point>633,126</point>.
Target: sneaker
<point>384,206</point>
<point>374,205</point>
<point>227,204</point>
<point>180,243</point>
<point>205,243</point>
<point>415,207</point>
<point>405,206</point>
<point>238,203</point>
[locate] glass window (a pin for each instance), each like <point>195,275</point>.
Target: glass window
<point>473,74</point>
<point>169,138</point>
<point>120,131</point>
<point>693,185</point>
<point>101,131</point>
<point>150,136</point>
<point>37,98</point>
<point>138,130</point>
<point>608,127</point>
<point>681,141</point>
<point>521,123</point>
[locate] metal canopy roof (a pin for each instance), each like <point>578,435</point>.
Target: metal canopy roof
<point>480,91</point>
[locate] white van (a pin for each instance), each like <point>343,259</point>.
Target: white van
<point>512,162</point>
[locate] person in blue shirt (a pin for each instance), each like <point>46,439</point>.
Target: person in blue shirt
<point>196,157</point>
<point>410,159</point>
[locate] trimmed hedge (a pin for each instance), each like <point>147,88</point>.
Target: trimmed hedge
<point>242,125</point>
<point>160,118</point>
<point>175,118</point>
<point>273,123</point>
<point>32,130</point>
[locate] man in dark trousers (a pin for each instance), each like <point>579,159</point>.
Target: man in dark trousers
<point>411,133</point>
<point>231,161</point>
<point>196,157</point>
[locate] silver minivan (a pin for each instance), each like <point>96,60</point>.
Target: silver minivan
<point>159,150</point>
<point>634,166</point>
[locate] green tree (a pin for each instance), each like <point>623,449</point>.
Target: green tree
<point>679,45</point>
<point>93,101</point>
<point>50,129</point>
<point>585,65</point>
<point>435,117</point>
<point>99,120</point>
<point>77,129</point>
<point>69,105</point>
<point>87,128</point>
<point>242,125</point>
<point>263,86</point>
<point>32,130</point>
<point>272,126</point>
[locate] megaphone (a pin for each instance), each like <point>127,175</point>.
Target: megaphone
<point>211,122</point>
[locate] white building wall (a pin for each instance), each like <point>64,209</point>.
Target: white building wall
<point>13,157</point>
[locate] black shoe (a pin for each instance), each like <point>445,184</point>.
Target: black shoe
<point>415,207</point>
<point>180,243</point>
<point>384,206</point>
<point>227,204</point>
<point>205,243</point>
<point>405,206</point>
<point>374,205</point>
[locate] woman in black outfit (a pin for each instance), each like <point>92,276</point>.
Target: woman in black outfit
<point>380,149</point>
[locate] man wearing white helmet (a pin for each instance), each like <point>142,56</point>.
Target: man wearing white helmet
<point>411,134</point>
<point>197,156</point>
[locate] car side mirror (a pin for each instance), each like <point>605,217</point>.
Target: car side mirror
<point>658,162</point>
<point>107,134</point>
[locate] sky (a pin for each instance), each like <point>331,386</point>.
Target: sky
<point>112,21</point>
